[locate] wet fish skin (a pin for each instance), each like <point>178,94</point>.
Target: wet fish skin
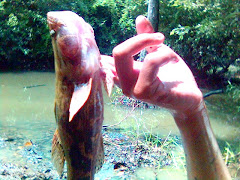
<point>78,99</point>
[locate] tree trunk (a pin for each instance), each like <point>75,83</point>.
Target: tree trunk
<point>153,13</point>
<point>153,16</point>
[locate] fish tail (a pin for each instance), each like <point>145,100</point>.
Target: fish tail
<point>58,157</point>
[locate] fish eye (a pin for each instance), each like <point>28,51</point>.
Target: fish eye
<point>52,33</point>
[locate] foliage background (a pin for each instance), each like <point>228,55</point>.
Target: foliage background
<point>205,33</point>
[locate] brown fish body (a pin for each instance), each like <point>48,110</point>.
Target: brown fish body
<point>81,138</point>
<point>78,101</point>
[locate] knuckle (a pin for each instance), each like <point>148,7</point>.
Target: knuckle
<point>140,93</point>
<point>116,52</point>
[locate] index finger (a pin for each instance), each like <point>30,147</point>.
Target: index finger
<point>123,56</point>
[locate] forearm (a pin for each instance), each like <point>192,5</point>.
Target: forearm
<point>203,156</point>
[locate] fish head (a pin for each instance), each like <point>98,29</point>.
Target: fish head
<point>77,57</point>
<point>74,44</point>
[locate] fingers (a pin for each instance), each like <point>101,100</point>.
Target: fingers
<point>123,55</point>
<point>143,25</point>
<point>155,60</point>
<point>137,43</point>
<point>148,84</point>
<point>161,56</point>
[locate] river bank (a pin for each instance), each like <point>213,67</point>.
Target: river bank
<point>138,142</point>
<point>124,156</point>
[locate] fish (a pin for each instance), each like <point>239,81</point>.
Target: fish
<point>79,104</point>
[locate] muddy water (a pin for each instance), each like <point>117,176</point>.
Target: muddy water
<point>26,115</point>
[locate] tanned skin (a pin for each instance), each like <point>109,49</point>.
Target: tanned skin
<point>165,80</point>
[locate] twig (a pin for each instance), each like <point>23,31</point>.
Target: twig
<point>219,91</point>
<point>109,126</point>
<point>38,85</point>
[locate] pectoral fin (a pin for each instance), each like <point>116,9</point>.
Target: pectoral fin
<point>108,84</point>
<point>79,97</point>
<point>108,73</point>
<point>58,157</point>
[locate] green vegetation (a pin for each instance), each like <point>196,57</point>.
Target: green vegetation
<point>26,44</point>
<point>166,152</point>
<point>205,33</point>
<point>172,148</point>
<point>229,155</point>
<point>234,93</point>
<point>169,145</point>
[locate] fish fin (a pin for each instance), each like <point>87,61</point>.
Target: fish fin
<point>108,83</point>
<point>79,97</point>
<point>100,156</point>
<point>109,73</point>
<point>58,157</point>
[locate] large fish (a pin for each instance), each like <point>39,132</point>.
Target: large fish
<point>79,101</point>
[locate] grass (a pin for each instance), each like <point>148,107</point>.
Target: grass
<point>168,148</point>
<point>171,146</point>
<point>234,94</point>
<point>229,156</point>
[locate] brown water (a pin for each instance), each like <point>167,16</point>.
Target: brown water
<point>29,111</point>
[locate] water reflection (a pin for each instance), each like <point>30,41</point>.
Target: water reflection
<point>27,114</point>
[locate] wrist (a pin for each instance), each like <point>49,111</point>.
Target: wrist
<point>203,156</point>
<point>192,119</point>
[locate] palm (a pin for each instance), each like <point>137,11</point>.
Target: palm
<point>172,86</point>
<point>162,79</point>
<point>165,80</point>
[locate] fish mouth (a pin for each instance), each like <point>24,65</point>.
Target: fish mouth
<point>75,43</point>
<point>54,22</point>
<point>66,38</point>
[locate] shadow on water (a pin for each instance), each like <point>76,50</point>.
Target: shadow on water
<point>27,125</point>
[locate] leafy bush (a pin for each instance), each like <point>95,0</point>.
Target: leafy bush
<point>205,33</point>
<point>26,39</point>
<point>27,44</point>
<point>234,93</point>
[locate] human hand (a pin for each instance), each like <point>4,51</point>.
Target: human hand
<point>162,79</point>
<point>165,80</point>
